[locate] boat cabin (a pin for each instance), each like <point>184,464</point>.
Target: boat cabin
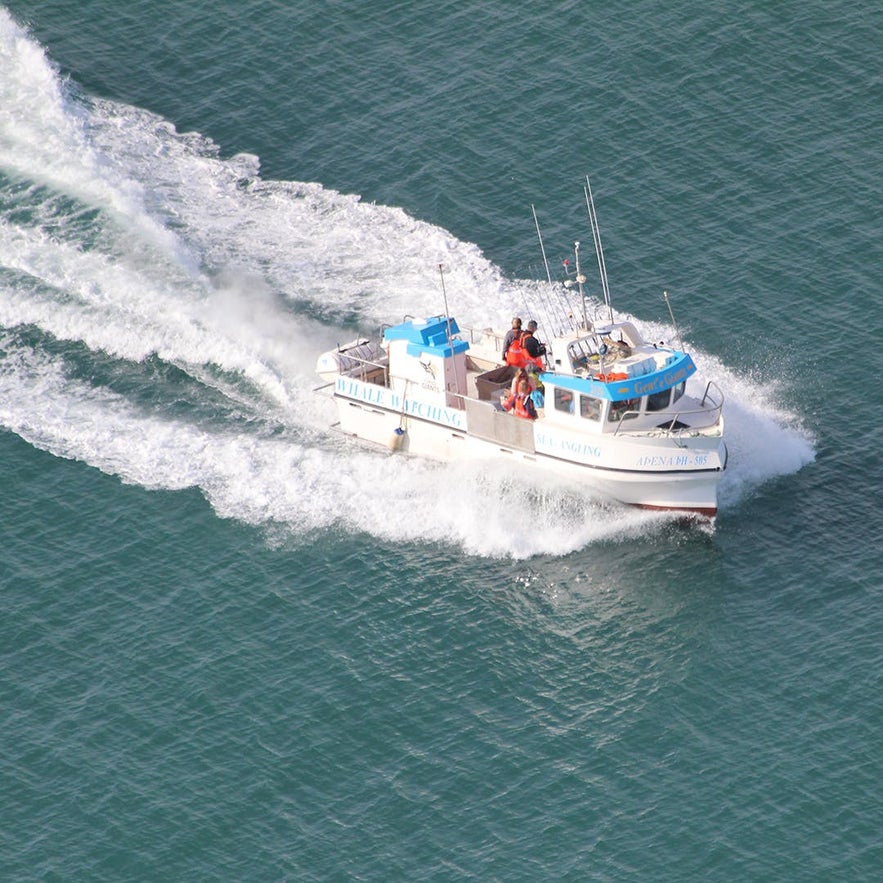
<point>580,403</point>
<point>607,377</point>
<point>426,355</point>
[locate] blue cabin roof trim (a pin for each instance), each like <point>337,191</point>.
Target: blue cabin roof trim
<point>678,370</point>
<point>430,336</point>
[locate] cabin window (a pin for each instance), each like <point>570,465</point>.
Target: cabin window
<point>678,391</point>
<point>563,400</point>
<point>658,401</point>
<point>590,408</point>
<point>626,410</point>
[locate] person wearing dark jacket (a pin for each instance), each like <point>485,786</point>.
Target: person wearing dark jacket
<point>534,348</point>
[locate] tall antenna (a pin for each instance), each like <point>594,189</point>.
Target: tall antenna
<point>441,272</point>
<point>599,251</point>
<point>580,279</point>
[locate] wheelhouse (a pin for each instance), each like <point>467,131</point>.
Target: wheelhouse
<point>580,406</point>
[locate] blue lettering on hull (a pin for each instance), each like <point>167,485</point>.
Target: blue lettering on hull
<point>574,448</point>
<point>372,394</point>
<point>673,461</point>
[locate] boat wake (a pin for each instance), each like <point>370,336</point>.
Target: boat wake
<point>162,308</point>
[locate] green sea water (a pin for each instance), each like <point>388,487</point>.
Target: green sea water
<point>237,647</point>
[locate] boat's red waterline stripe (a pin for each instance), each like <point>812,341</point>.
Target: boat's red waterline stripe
<point>705,511</point>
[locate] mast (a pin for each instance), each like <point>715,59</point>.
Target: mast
<point>580,279</point>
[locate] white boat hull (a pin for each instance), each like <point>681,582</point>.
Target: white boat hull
<point>660,471</point>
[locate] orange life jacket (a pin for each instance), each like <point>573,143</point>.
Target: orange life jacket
<point>523,405</point>
<point>528,359</point>
<point>516,354</point>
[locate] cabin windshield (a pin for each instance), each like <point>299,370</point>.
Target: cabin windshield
<point>658,401</point>
<point>581,353</point>
<point>624,410</point>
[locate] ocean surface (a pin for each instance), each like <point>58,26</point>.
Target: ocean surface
<point>235,646</point>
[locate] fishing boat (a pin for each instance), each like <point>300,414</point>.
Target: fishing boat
<point>619,414</point>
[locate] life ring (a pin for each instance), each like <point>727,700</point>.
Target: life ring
<point>609,378</point>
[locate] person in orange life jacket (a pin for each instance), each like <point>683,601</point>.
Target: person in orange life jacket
<point>522,403</point>
<point>515,354</point>
<point>521,374</point>
<point>519,352</point>
<point>534,348</point>
<point>511,334</point>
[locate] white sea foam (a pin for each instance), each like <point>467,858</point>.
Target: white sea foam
<point>135,240</point>
<point>44,139</point>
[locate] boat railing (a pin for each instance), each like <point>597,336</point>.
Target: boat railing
<point>712,389</point>
<point>367,370</point>
<point>482,335</point>
<point>711,404</point>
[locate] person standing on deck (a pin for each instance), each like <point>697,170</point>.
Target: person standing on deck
<point>512,334</point>
<point>534,348</point>
<point>529,352</point>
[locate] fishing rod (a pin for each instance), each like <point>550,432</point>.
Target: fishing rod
<point>599,251</point>
<point>554,302</point>
<point>675,324</point>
